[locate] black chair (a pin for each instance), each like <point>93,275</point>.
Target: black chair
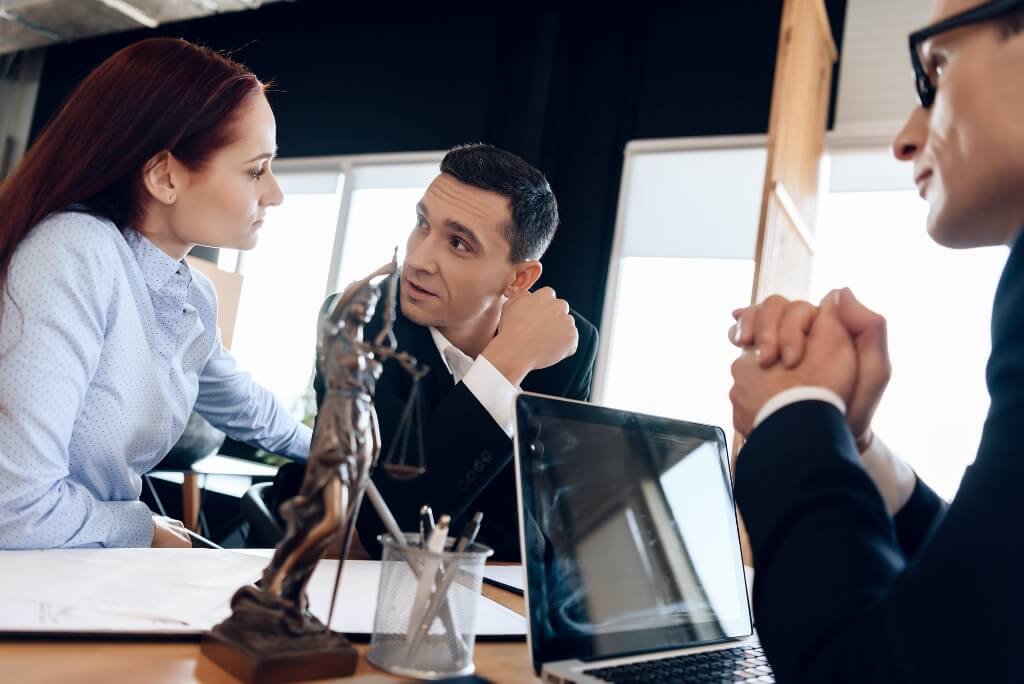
<point>199,440</point>
<point>260,510</point>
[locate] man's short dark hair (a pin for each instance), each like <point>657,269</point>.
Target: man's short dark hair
<point>534,209</point>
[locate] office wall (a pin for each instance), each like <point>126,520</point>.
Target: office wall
<point>565,85</point>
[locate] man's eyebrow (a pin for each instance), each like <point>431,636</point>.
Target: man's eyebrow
<point>465,232</point>
<point>421,208</point>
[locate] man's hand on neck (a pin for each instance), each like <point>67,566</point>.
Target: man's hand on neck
<point>536,330</point>
<point>471,338</point>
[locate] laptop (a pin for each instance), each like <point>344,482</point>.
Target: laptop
<point>631,546</point>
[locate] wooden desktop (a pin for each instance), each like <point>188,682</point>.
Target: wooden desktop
<point>102,661</point>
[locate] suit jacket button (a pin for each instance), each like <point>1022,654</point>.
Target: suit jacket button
<point>471,475</point>
<point>462,486</point>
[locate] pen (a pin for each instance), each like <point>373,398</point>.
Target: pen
<point>440,598</point>
<point>201,542</point>
<point>439,535</point>
<point>439,601</point>
<point>379,505</point>
<point>377,501</point>
<point>501,585</point>
<point>426,524</point>
<point>469,532</point>
<point>428,571</point>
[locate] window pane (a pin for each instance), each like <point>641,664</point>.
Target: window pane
<point>693,203</point>
<point>688,233</point>
<point>938,305</point>
<point>669,353</point>
<point>283,283</point>
<point>382,213</point>
<point>379,220</point>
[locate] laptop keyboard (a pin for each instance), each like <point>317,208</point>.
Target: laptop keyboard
<point>740,664</point>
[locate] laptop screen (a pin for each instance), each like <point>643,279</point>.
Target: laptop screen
<point>629,532</point>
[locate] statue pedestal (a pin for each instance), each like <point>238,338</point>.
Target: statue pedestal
<point>269,640</point>
<point>337,658</point>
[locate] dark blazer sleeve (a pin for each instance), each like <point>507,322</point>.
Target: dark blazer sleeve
<point>919,516</point>
<point>584,360</point>
<point>835,597</point>
<point>573,377</point>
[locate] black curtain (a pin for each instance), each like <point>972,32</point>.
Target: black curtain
<point>565,85</point>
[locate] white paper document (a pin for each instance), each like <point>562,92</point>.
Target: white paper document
<point>177,592</point>
<point>510,575</point>
<point>120,590</point>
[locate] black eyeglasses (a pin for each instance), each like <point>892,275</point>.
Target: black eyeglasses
<point>990,10</point>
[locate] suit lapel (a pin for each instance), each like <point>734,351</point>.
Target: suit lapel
<point>416,340</point>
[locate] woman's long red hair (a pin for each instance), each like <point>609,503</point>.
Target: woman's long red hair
<point>156,95</point>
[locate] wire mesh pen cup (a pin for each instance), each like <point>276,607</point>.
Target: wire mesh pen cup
<point>433,637</point>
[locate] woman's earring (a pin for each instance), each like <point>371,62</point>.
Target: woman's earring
<point>171,198</point>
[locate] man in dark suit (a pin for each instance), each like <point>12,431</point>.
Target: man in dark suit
<point>862,573</point>
<point>467,311</point>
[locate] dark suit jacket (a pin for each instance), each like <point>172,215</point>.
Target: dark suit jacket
<point>468,456</point>
<point>842,592</point>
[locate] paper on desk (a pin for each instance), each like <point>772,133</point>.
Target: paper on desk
<point>119,590</point>
<point>509,575</point>
<point>177,591</point>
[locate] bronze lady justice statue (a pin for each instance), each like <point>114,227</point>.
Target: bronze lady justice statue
<point>270,627</point>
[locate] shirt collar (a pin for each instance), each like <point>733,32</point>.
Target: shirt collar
<point>157,266</point>
<point>455,360</point>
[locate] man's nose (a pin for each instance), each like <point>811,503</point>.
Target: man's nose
<point>420,256</point>
<point>910,140</point>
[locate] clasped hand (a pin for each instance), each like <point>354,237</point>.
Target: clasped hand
<point>536,331</point>
<point>839,345</point>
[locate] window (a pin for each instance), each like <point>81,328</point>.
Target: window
<point>283,280</point>
<point>380,216</point>
<point>872,238</point>
<point>683,259</point>
<point>341,218</point>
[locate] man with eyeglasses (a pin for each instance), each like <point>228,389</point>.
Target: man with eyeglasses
<point>862,573</point>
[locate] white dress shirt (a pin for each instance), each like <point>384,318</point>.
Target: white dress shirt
<point>892,475</point>
<point>488,385</point>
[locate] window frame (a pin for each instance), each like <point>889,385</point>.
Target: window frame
<point>345,165</point>
<point>632,149</point>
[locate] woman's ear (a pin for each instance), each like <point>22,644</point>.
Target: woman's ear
<point>526,275</point>
<point>159,180</point>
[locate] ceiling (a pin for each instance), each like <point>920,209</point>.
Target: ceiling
<point>876,85</point>
<point>36,23</point>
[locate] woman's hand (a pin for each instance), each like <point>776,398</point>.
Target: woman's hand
<point>169,533</point>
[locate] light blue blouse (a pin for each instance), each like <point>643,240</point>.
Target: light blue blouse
<point>107,347</point>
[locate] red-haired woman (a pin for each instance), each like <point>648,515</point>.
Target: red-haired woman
<point>107,339</point>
